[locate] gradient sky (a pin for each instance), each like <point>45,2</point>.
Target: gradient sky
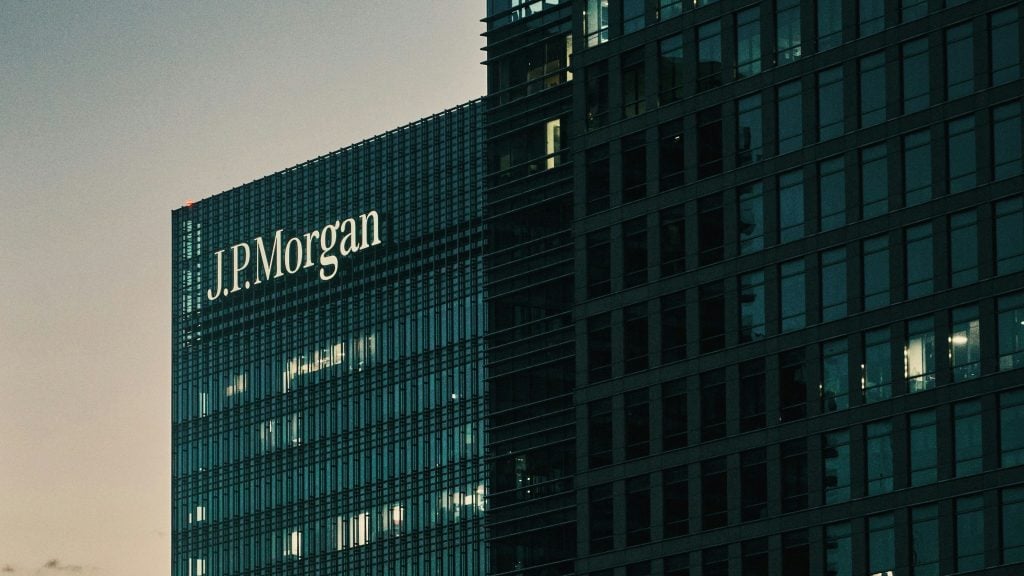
<point>111,115</point>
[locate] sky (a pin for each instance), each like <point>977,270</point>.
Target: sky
<point>111,115</point>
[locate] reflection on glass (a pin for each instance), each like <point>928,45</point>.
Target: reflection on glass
<point>919,355</point>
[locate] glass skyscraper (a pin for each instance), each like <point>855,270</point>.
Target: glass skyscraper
<point>328,363</point>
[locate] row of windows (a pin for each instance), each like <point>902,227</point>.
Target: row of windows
<point>866,460</point>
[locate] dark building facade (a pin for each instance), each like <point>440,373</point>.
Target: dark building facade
<point>327,363</point>
<point>755,285</point>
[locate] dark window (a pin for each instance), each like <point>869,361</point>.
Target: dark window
<point>871,16</point>
<point>1006,140</point>
<point>602,519</point>
<point>881,544</point>
<point>796,554</point>
<point>967,444</point>
<point>599,347</point>
<point>913,9</point>
<point>960,152</point>
<point>715,561</point>
<point>837,467</point>
<point>835,376</point>
<point>638,510</point>
<point>710,229</point>
<point>751,218</point>
<point>634,167</point>
<point>633,96</point>
<point>673,328</point>
<point>970,533</point>
<point>832,193</point>
<point>597,94</point>
<point>791,206</point>
<point>752,395</point>
<point>634,252</point>
<point>793,295</point>
<point>876,272</point>
<point>677,565</point>
<point>878,453</point>
<point>838,550</point>
<point>830,24</point>
<point>1005,46</point>
<point>712,317</point>
<point>1011,332</point>
<point>709,142</point>
<point>915,75</point>
<point>755,557</point>
<point>874,181</point>
<point>877,365</point>
<point>872,89</point>
<point>749,141</point>
<point>917,168</point>
<point>793,463</point>
<point>965,344</point>
<point>792,386</point>
<point>673,415</point>
<point>632,15</point>
<point>599,273</point>
<point>789,117</point>
<point>670,154</point>
<point>598,182</point>
<point>959,61</point>
<point>787,31</point>
<point>1011,428</point>
<point>920,355</point>
<point>923,456</point>
<point>833,284</point>
<point>670,69</point>
<point>748,43</point>
<point>673,251</point>
<point>714,493</point>
<point>830,103</point>
<point>924,540</point>
<point>1010,236</point>
<point>599,432</point>
<point>920,269</point>
<point>751,306</point>
<point>712,405</point>
<point>676,502</point>
<point>1013,524</point>
<point>634,335</point>
<point>963,248</point>
<point>709,53</point>
<point>638,424</point>
<point>753,484</point>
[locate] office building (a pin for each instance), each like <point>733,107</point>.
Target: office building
<point>755,281</point>
<point>327,363</point>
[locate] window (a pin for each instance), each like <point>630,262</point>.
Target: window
<point>913,9</point>
<point>752,395</point>
<point>960,154</point>
<point>749,141</point>
<point>710,229</point>
<point>787,31</point>
<point>833,284</point>
<point>714,493</point>
<point>915,75</point>
<point>791,206</point>
<point>872,89</point>
<point>670,69</point>
<point>599,347</point>
<point>597,94</point>
<point>599,275</point>
<point>669,8</point>
<point>634,336</point>
<point>967,438</point>
<point>676,502</point>
<point>878,452</point>
<point>1011,428</point>
<point>712,405</point>
<point>877,369</point>
<point>919,355</point>
<point>712,317</point>
<point>670,154</point>
<point>963,248</point>
<point>792,386</point>
<point>673,233</point>
<point>832,193</point>
<point>924,540</point>
<point>709,54</point>
<point>755,556</point>
<point>830,24</point>
<point>751,306</point>
<point>835,376</point>
<point>838,550</point>
<point>923,457</point>
<point>793,462</point>
<point>634,167</point>
<point>632,15</point>
<point>673,328</point>
<point>638,424</point>
<point>876,272</point>
<point>793,295</point>
<point>1004,46</point>
<point>1013,524</point>
<point>751,218</point>
<point>677,565</point>
<point>1011,331</point>
<point>595,23</point>
<point>959,61</point>
<point>673,415</point>
<point>830,103</point>
<point>634,252</point>
<point>1010,236</point>
<point>633,97</point>
<point>920,269</point>
<point>789,116</point>
<point>965,344</point>
<point>881,544</point>
<point>871,16</point>
<point>638,510</point>
<point>709,142</point>
<point>715,561</point>
<point>1006,140</point>
<point>970,533</point>
<point>599,432</point>
<point>602,518</point>
<point>753,484</point>
<point>598,181</point>
<point>748,43</point>
<point>874,181</point>
<point>917,168</point>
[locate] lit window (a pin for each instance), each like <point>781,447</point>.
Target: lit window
<point>1011,332</point>
<point>919,355</point>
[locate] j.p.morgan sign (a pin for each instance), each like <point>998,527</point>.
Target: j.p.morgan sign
<point>287,256</point>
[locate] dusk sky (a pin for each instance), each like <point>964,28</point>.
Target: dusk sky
<point>111,115</point>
